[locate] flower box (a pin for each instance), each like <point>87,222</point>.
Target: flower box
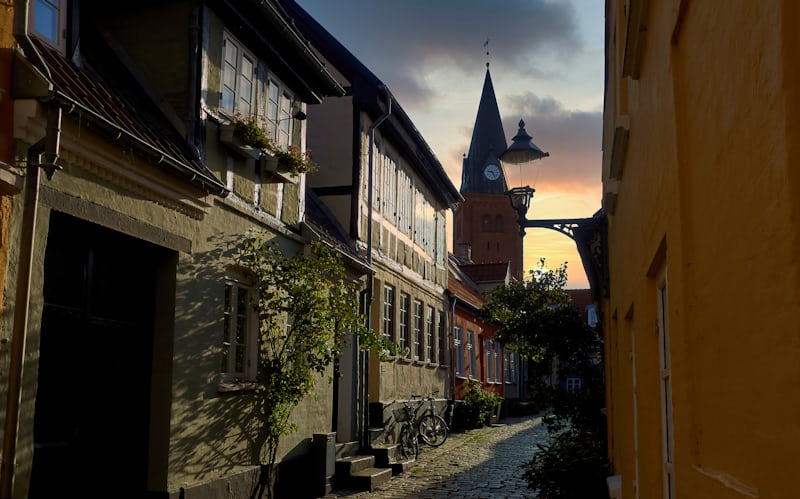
<point>277,169</point>
<point>237,145</point>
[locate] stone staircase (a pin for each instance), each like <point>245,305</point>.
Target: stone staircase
<point>367,469</point>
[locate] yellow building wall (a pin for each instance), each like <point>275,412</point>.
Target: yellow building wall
<point>707,200</point>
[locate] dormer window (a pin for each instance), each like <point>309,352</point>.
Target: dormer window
<point>48,21</point>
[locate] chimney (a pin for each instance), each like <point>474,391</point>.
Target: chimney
<point>464,252</point>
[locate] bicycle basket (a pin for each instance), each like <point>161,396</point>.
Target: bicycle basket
<point>402,414</point>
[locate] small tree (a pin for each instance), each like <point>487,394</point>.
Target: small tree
<point>537,319</point>
<point>305,306</point>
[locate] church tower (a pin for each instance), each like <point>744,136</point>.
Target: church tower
<point>485,220</point>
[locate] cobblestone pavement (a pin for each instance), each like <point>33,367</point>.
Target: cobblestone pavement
<point>483,463</point>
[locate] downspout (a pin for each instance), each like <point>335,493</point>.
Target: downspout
<point>371,282</point>
<point>451,345</point>
<point>49,146</point>
<point>193,95</point>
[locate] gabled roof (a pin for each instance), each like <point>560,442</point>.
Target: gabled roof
<point>108,104</point>
<point>368,91</point>
<point>488,273</point>
<point>267,30</point>
<point>461,286</point>
<point>488,143</point>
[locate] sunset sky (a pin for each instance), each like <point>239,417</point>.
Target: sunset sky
<point>546,60</point>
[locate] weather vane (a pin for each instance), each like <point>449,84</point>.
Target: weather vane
<point>486,46</point>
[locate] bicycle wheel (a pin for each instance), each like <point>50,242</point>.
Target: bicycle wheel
<point>433,430</point>
<point>409,446</point>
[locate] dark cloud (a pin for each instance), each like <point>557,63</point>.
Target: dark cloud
<point>573,138</point>
<point>401,41</point>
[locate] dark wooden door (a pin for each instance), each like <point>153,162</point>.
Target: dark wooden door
<point>93,398</point>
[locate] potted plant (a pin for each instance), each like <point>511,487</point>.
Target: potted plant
<point>246,137</point>
<point>293,160</point>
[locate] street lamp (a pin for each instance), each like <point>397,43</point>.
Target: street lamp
<point>522,150</point>
<point>589,234</point>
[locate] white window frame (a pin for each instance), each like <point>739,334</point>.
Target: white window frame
<point>489,361</point>
<point>388,312</point>
<point>665,361</point>
<point>497,363</point>
<point>419,330</point>
<point>574,384</point>
<point>245,345</point>
<point>472,352</point>
<point>405,302</point>
<point>429,334</point>
<point>239,78</point>
<point>280,105</point>
<point>57,7</point>
<point>458,343</point>
<point>507,366</point>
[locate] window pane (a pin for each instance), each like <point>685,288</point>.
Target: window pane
<point>45,19</point>
<point>246,87</point>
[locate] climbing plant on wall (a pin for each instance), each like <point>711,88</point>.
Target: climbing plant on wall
<point>305,305</point>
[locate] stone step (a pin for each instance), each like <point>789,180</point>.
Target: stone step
<point>401,466</point>
<point>370,478</point>
<point>348,465</point>
<point>385,454</point>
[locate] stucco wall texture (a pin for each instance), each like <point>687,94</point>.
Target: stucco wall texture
<point>707,204</point>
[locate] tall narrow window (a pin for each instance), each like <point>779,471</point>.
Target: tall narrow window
<point>458,342</point>
<point>472,352</point>
<point>238,338</point>
<point>418,331</point>
<point>273,108</point>
<point>497,358</point>
<point>403,340</point>
<point>429,338</point>
<point>507,366</point>
<point>489,361</point>
<point>666,392</point>
<point>285,120</point>
<point>238,72</point>
<point>388,313</point>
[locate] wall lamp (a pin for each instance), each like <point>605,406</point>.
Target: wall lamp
<point>589,234</point>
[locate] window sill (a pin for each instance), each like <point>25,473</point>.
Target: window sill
<point>236,386</point>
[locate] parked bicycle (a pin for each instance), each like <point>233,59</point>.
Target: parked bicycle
<point>409,445</point>
<point>431,427</point>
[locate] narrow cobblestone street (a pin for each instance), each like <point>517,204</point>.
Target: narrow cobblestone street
<point>483,463</point>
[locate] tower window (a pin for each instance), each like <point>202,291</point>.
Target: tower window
<point>498,223</point>
<point>486,224</point>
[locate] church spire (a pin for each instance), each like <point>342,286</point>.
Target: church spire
<point>481,167</point>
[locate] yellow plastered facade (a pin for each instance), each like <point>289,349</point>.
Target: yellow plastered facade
<point>703,384</point>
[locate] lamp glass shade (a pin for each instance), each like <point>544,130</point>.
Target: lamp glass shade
<point>522,148</point>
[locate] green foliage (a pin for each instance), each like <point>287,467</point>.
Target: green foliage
<point>569,466</point>
<point>477,407</point>
<point>538,319</point>
<point>252,133</point>
<point>305,305</point>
